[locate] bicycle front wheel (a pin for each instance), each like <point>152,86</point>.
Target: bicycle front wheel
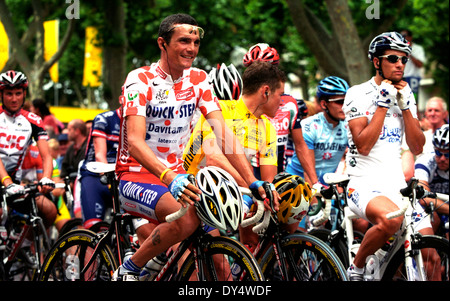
<point>71,253</point>
<point>222,259</point>
<point>306,257</point>
<point>435,254</point>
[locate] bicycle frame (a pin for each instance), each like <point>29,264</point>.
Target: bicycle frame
<point>272,235</point>
<point>32,222</point>
<point>406,236</point>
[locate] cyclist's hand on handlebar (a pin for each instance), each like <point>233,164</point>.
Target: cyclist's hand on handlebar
<point>183,189</point>
<point>47,185</point>
<point>13,189</point>
<point>317,187</point>
<point>266,191</point>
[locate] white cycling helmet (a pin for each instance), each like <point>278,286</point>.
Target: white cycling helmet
<point>220,204</point>
<point>441,137</point>
<point>227,82</point>
<point>388,40</point>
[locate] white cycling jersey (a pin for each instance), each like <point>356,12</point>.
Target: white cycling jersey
<point>17,132</point>
<point>384,159</point>
<point>426,169</point>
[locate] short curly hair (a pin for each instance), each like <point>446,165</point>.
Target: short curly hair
<point>166,25</point>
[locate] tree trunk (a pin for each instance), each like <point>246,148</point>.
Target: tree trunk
<point>34,69</point>
<point>115,48</point>
<point>354,56</point>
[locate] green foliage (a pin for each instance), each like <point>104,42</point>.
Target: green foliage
<point>236,23</point>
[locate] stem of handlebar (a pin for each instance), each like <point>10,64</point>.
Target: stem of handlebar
<point>326,194</point>
<point>406,192</point>
<point>176,215</point>
<point>259,211</point>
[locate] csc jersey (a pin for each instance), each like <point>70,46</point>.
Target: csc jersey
<point>168,107</point>
<point>285,120</point>
<point>257,136</point>
<point>16,134</point>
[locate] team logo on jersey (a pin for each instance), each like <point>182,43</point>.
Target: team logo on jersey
<point>384,92</point>
<point>327,156</point>
<point>353,195</point>
<point>185,94</point>
<point>162,95</point>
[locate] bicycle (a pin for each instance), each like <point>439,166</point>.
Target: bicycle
<point>20,219</point>
<point>392,262</point>
<point>83,255</point>
<point>335,234</point>
<point>298,256</point>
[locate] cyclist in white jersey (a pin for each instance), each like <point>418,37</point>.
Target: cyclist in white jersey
<point>18,129</point>
<point>379,112</point>
<point>159,102</point>
<point>432,172</point>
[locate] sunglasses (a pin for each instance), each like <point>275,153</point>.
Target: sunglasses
<point>439,154</point>
<point>337,100</point>
<point>192,29</point>
<point>392,58</point>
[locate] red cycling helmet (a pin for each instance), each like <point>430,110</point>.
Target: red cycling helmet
<point>261,52</point>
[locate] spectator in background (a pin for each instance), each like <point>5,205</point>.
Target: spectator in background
<point>436,115</point>
<point>77,134</point>
<point>89,125</point>
<point>64,143</point>
<point>413,68</point>
<point>51,124</point>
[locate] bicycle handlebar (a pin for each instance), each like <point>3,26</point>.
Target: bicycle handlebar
<point>60,185</point>
<point>259,213</point>
<point>176,215</point>
<point>417,192</point>
<point>100,167</point>
<point>327,194</point>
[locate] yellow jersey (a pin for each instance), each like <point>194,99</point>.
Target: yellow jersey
<point>257,136</point>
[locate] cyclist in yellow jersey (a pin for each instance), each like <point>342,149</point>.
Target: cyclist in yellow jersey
<point>263,86</point>
<point>256,134</point>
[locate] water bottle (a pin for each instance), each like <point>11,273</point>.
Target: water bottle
<point>153,267</point>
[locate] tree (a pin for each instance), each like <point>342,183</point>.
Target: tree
<point>339,50</point>
<point>36,67</point>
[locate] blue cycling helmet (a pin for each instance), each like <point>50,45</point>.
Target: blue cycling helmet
<point>331,86</point>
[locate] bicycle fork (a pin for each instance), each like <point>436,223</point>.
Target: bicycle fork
<point>414,264</point>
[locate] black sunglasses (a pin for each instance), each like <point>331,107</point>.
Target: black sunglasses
<point>439,154</point>
<point>392,58</point>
